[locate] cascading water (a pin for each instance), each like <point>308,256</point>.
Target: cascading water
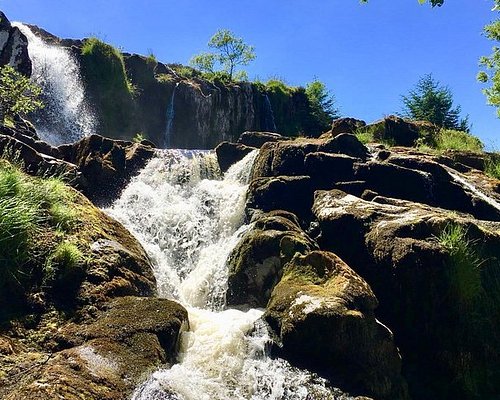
<point>189,218</point>
<point>170,119</point>
<point>269,115</point>
<point>66,116</point>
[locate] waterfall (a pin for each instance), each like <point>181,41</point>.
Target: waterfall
<point>66,116</point>
<point>270,124</point>
<point>188,218</point>
<point>170,119</point>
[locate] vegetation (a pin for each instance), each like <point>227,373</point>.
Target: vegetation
<point>449,139</point>
<point>491,63</point>
<point>493,166</point>
<point>228,52</point>
<point>18,95</point>
<point>429,101</point>
<point>322,103</point>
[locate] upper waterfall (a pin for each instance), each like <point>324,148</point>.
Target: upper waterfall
<point>66,116</point>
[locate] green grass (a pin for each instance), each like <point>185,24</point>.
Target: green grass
<point>373,134</point>
<point>448,139</point>
<point>465,265</point>
<point>63,263</point>
<point>493,166</point>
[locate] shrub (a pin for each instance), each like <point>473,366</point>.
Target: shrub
<point>493,166</point>
<point>448,139</point>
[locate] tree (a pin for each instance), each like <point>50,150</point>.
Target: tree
<point>322,103</point>
<point>429,101</point>
<point>229,52</point>
<point>18,95</point>
<point>491,74</point>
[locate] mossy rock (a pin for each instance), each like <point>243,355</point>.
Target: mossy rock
<point>322,313</point>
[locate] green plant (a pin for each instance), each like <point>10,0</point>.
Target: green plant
<point>372,133</point>
<point>18,95</point>
<point>63,262</point>
<point>151,58</point>
<point>449,139</point>
<point>139,137</point>
<point>493,165</point>
<point>464,265</point>
<point>432,102</point>
<point>322,104</point>
<point>228,52</point>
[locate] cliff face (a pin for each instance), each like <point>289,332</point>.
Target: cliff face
<point>13,47</point>
<point>131,95</point>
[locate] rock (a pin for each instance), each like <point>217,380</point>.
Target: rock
<point>104,357</point>
<point>323,314</point>
<point>289,193</point>
<point>347,144</point>
<point>106,165</point>
<point>13,47</point>
<point>256,263</point>
<point>399,131</point>
<point>438,306</point>
<point>346,125</point>
<point>328,169</point>
<point>468,158</point>
<point>230,153</point>
<point>258,139</point>
<point>283,158</point>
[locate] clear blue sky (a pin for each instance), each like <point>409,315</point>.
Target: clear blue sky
<point>367,54</point>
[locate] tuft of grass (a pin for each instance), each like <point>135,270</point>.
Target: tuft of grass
<point>448,139</point>
<point>493,166</point>
<point>63,262</point>
<point>465,265</point>
<point>373,133</point>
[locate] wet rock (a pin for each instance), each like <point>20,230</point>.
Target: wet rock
<point>347,144</point>
<point>328,169</point>
<point>13,47</point>
<point>104,357</point>
<point>106,165</point>
<point>438,304</point>
<point>256,263</point>
<point>289,193</point>
<point>323,314</point>
<point>230,153</point>
<point>258,139</point>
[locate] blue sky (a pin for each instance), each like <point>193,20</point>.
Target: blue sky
<point>367,54</point>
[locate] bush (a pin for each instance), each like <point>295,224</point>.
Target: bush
<point>493,165</point>
<point>448,139</point>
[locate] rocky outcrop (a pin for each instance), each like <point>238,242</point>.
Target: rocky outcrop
<point>13,47</point>
<point>105,165</point>
<point>344,125</point>
<point>256,263</point>
<point>257,139</point>
<point>431,270</point>
<point>230,153</point>
<point>323,315</point>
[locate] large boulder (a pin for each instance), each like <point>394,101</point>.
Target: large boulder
<point>13,47</point>
<point>256,263</point>
<point>230,153</point>
<point>326,169</point>
<point>432,271</point>
<point>322,313</point>
<point>105,164</point>
<point>103,357</point>
<point>258,139</point>
<point>345,125</point>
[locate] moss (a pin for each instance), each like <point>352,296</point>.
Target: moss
<point>105,75</point>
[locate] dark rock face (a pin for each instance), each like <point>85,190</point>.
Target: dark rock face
<point>230,153</point>
<point>128,338</point>
<point>105,165</point>
<point>346,125</point>
<point>256,264</point>
<point>13,47</point>
<point>323,314</point>
<point>257,139</point>
<point>437,305</point>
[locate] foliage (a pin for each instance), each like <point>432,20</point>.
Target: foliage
<point>184,71</point>
<point>491,63</point>
<point>322,103</point>
<point>448,139</point>
<point>373,133</point>
<point>429,101</point>
<point>151,58</point>
<point>228,52</point>
<point>139,137</point>
<point>18,95</point>
<point>493,166</point>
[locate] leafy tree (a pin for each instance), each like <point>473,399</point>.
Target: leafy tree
<point>322,103</point>
<point>491,74</point>
<point>18,95</point>
<point>429,101</point>
<point>228,52</point>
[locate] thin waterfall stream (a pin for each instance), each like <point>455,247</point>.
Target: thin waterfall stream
<point>188,218</point>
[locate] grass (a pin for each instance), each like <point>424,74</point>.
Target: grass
<point>373,133</point>
<point>63,263</point>
<point>492,167</point>
<point>448,139</point>
<point>465,265</point>
<point>31,209</point>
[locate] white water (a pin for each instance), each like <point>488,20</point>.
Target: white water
<point>189,219</point>
<point>66,116</point>
<point>170,119</point>
<point>269,118</point>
